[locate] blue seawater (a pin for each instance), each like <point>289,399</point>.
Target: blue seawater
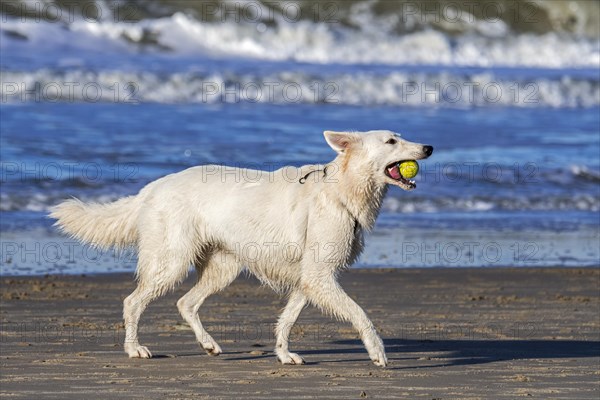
<point>89,112</point>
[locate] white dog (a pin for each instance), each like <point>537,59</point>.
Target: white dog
<point>294,228</point>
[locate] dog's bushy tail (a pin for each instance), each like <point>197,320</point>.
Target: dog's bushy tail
<point>101,225</point>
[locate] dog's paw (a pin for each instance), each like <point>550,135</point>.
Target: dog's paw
<point>380,360</point>
<point>212,348</point>
<point>137,351</point>
<point>376,351</point>
<point>288,358</point>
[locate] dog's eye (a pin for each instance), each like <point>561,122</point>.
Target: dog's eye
<point>391,141</point>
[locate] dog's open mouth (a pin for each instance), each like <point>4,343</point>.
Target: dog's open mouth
<point>393,172</point>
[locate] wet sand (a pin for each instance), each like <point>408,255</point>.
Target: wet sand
<point>449,333</point>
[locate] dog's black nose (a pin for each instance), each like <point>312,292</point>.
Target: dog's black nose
<point>428,150</point>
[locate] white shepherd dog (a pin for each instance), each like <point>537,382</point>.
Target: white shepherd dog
<point>294,228</point>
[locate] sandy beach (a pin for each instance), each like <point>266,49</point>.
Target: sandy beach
<point>449,333</point>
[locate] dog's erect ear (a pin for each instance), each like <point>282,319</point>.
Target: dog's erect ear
<point>341,141</point>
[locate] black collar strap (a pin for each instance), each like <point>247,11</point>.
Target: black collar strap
<point>302,180</point>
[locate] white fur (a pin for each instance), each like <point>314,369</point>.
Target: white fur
<point>295,237</point>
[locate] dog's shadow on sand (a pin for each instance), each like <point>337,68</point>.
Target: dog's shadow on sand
<point>468,352</point>
<point>443,353</point>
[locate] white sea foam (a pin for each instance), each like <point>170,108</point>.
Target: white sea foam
<point>313,42</point>
<point>580,202</point>
<point>396,88</point>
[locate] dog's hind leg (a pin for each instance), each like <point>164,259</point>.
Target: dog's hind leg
<point>220,270</point>
<point>329,296</point>
<point>285,323</point>
<point>133,307</point>
<point>149,289</point>
<point>161,266</point>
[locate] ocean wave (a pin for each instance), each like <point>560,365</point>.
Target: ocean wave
<point>580,202</point>
<point>360,36</point>
<point>42,201</point>
<point>564,16</point>
<point>400,88</point>
<point>585,173</point>
<point>325,44</point>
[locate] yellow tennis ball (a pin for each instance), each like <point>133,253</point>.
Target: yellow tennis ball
<point>409,169</point>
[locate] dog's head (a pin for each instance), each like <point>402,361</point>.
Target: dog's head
<point>377,154</point>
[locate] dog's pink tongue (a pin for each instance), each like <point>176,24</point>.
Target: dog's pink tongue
<point>394,172</point>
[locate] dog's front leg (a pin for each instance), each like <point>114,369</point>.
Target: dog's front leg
<point>286,321</point>
<point>328,295</point>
